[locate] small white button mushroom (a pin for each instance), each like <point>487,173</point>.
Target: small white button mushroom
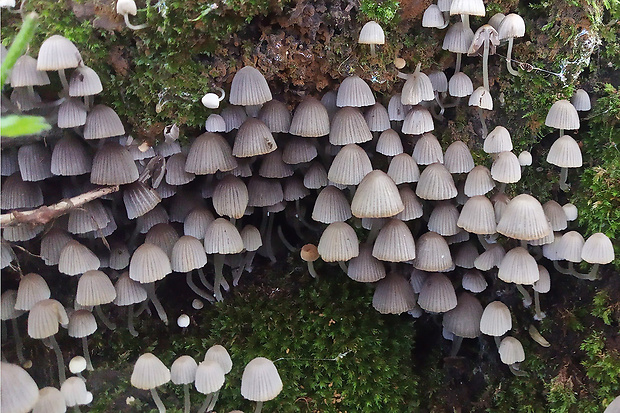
<point>77,365</point>
<point>197,304</point>
<point>183,321</point>
<point>212,101</point>
<point>525,158</point>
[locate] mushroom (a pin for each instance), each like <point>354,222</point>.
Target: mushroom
<point>310,253</point>
<point>542,286</point>
<point>127,7</point>
<point>43,321</point>
<point>486,36</point>
<point>75,393</point>
<point>149,373</point>
<point>565,153</point>
<point>511,353</point>
<point>77,365</point>
<point>9,312</point>
<point>463,321</point>
<point>511,26</point>
<point>82,323</point>
<point>212,101</point>
<point>260,382</point>
<point>19,390</point>
<point>183,371</point>
<point>209,380</point>
<point>221,238</point>
<point>371,34</point>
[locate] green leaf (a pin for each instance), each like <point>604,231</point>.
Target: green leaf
<point>18,125</point>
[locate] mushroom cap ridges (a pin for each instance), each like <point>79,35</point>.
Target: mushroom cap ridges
<point>222,237</point>
<point>371,33</point>
<point>376,197</point>
<point>464,319</point>
<point>562,115</point>
<point>149,263</point>
<point>496,319</point>
<point>338,243</point>
<point>149,372</point>
<point>19,390</point>
<point>58,52</point>
<point>260,380</point>
<point>354,91</point>
<point>249,87</point>
<point>524,219</point>
<point>598,249</point>
<point>393,295</point>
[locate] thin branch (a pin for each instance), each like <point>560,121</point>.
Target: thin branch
<point>45,214</point>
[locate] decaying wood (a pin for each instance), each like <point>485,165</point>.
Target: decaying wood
<point>45,214</point>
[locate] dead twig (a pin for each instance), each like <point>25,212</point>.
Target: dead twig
<point>45,214</point>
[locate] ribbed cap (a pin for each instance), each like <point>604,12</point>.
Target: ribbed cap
<point>458,158</point>
<point>354,91</point>
<point>294,189</point>
<point>350,166</point>
<point>197,221</point>
<point>32,289</point>
<point>562,115</point>
<point>511,351</point>
<point>251,238</point>
<point>492,257</point>
<point>149,372</point>
<point>25,73</point>
<point>249,87</point>
<point>432,253</point>
<point>128,291</point>
<point>349,126</point>
<point>506,168</point>
<point>222,237</point>
<point>418,121</point>
<point>230,197</point>
<point>389,143</point>
<point>8,164</point>
<point>164,236</point>
<point>84,82</point>
<point>377,118</point>
<point>310,120</point>
<point>253,138</point>
<point>34,162</point>
<point>433,17</point>
<point>113,165</point>
<point>44,317</point>
<point>70,157</point>
<point>220,355</point>
<point>556,215</point>
<point>298,150</point>
<point>316,176</point>
<point>139,199</point>
<point>272,166</point>
<point>260,380</point>
<point>102,122</point>
<point>403,169</point>
<point>57,53</point>
<point>376,197</point>
<point>524,219</point>
<point>474,281</point>
<point>416,89</point>
<point>436,183</point>
<point>183,370</point>
<point>75,259</point>
<point>276,116</point>
<point>157,215</point>
<point>365,268</point>
<point>52,244</point>
<point>460,85</point>
<point>437,294</point>
<point>331,205</point>
<point>394,243</point>
<point>19,390</point>
<point>338,243</point>
<point>208,154</point>
<point>90,217</point>
<point>581,100</point>
<point>74,391</point>
<point>82,323</point>
<point>371,33</point>
<point>496,320</point>
<point>464,319</point>
<point>94,288</point>
<point>17,193</point>
<point>215,123</point>
<point>498,140</point>
<point>175,170</point>
<point>512,25</point>
<point>234,116</point>
<point>543,285</point>
<point>396,110</point>
<point>427,150</point>
<point>518,267</point>
<point>149,263</point>
<point>393,295</point>
<point>7,305</point>
<point>443,219</point>
<point>478,216</point>
<point>264,192</point>
<point>413,206</point>
<point>481,98</point>
<point>458,38</point>
<point>479,181</point>
<point>598,249</point>
<point>188,254</point>
<point>565,153</point>
<point>471,7</point>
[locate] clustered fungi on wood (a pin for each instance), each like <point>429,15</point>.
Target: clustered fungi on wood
<point>181,203</point>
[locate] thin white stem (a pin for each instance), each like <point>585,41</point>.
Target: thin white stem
<point>157,400</point>
<point>485,65</point>
<point>109,324</point>
<point>195,288</point>
<point>89,363</point>
<point>130,326</point>
<point>18,342</point>
<point>509,60</point>
<point>131,26</point>
<point>465,20</point>
<point>219,274</point>
<point>187,403</point>
<point>311,270</point>
<point>459,57</point>
<point>59,358</point>
<point>150,291</point>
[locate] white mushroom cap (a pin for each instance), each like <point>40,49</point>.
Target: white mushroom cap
<point>511,351</point>
<point>74,391</point>
<point>77,365</point>
<point>393,295</point>
<point>496,319</point>
<point>19,392</point>
<point>562,115</point>
<point>338,243</point>
<point>471,7</point>
<point>149,372</point>
<point>581,100</point>
<point>183,370</point>
<point>57,53</point>
<point>437,295</point>
<point>511,26</point>
<point>354,91</point>
<point>220,355</point>
<point>565,153</point>
<point>249,87</point>
<point>598,249</point>
<point>365,267</point>
<point>464,319</point>
<point>371,33</point>
<point>260,380</point>
<point>51,400</point>
<point>126,7</point>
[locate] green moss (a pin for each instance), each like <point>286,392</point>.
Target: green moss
<point>381,11</point>
<point>335,352</point>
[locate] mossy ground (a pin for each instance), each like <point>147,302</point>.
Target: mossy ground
<point>156,77</point>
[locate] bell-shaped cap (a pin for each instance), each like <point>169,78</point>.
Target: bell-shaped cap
<point>598,249</point>
<point>44,317</point>
<point>432,253</point>
<point>417,88</point>
<point>349,126</point>
<point>32,289</point>
<point>222,237</point>
<point>208,154</point>
<point>249,87</point>
<point>128,291</point>
<point>310,119</point>
<point>565,153</point>
<point>394,243</point>
<point>437,294</point>
<point>331,205</point>
<point>376,197</point>
<point>82,323</point>
<point>377,118</point>
<point>188,254</point>
<point>338,243</point>
<point>220,355</point>
<point>403,169</point>
<point>470,7</point>
<point>51,400</point>
<point>458,159</point>
<point>74,391</point>
<point>95,288</point>
<point>354,91</point>
<point>183,370</point>
<point>75,259</point>
<point>113,165</point>
<point>19,392</point>
<point>581,100</point>
<point>518,267</point>
<point>393,295</point>
<point>511,351</point>
<point>365,268</point>
<point>464,319</point>
<point>350,166</point>
<point>260,380</point>
<point>496,319</point>
<point>389,143</point>
<point>443,219</point>
<point>34,162</point>
<point>498,140</point>
<point>56,53</point>
<point>474,281</point>
<point>524,219</point>
<point>102,122</point>
<point>149,372</point>
<point>371,33</point>
<point>418,121</point>
<point>149,263</point>
<point>84,82</point>
<point>562,115</point>
<point>253,138</point>
<point>460,85</point>
<point>230,197</point>
<point>70,157</point>
<point>436,183</point>
<point>478,216</point>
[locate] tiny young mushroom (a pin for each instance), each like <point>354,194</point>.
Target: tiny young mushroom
<point>371,34</point>
<point>511,26</point>
<point>310,253</point>
<point>211,100</point>
<point>127,7</point>
<point>486,36</point>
